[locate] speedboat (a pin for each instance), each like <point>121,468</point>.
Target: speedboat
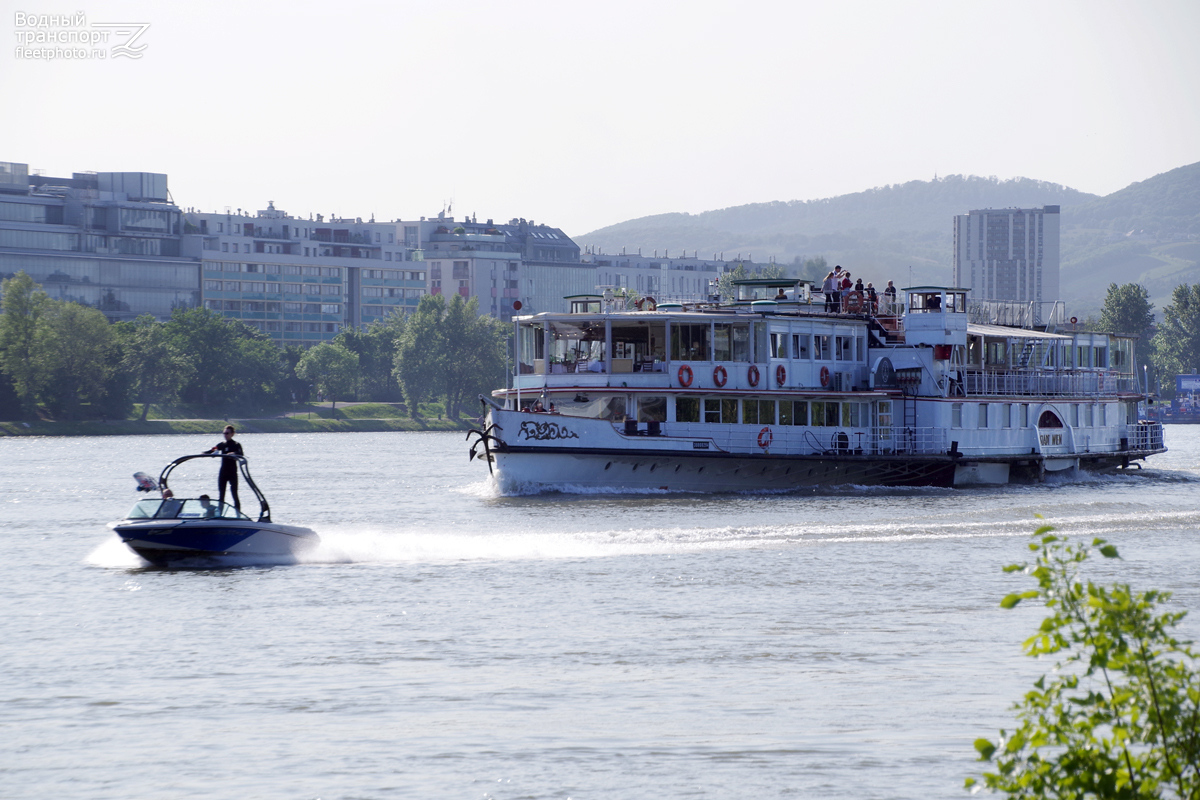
<point>171,529</point>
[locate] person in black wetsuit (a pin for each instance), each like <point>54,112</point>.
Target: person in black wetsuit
<point>229,467</point>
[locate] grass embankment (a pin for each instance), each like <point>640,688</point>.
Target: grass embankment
<point>314,418</point>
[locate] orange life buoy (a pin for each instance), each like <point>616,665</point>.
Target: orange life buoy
<point>854,302</point>
<point>720,376</point>
<point>764,438</point>
<point>781,374</point>
<point>752,375</point>
<point>825,376</point>
<point>685,375</point>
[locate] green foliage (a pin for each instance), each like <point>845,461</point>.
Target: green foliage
<point>332,368</point>
<point>66,359</point>
<point>24,303</point>
<point>474,356</point>
<point>155,363</point>
<point>376,350</point>
<point>1119,716</point>
<point>73,352</point>
<point>210,343</point>
<point>419,352</point>
<point>448,351</point>
<point>1128,310</point>
<point>1176,346</point>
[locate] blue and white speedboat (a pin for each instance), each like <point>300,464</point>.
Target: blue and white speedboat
<point>171,529</point>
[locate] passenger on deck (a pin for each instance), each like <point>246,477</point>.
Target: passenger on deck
<point>782,295</point>
<point>829,289</point>
<point>872,298</point>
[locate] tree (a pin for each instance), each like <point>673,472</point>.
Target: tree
<point>376,349</point>
<point>1119,717</point>
<point>725,287</point>
<point>420,354</point>
<point>474,356</point>
<point>1128,310</point>
<point>156,365</point>
<point>332,368</point>
<point>257,371</point>
<point>74,350</point>
<point>210,342</point>
<point>24,304</point>
<point>1176,346</point>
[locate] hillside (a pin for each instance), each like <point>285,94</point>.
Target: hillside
<point>880,233</point>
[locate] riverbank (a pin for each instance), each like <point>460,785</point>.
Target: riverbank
<point>350,418</point>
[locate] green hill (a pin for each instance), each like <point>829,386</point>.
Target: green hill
<point>1140,233</point>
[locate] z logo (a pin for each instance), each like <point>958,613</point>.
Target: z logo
<point>131,29</point>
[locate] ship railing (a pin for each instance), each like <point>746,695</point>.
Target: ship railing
<point>1041,382</point>
<point>813,440</point>
<point>1146,436</point>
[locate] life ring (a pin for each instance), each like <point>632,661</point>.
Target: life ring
<point>1074,320</point>
<point>720,376</point>
<point>825,376</point>
<point>648,301</point>
<point>854,302</point>
<point>685,376</point>
<point>764,438</point>
<point>781,374</point>
<point>752,375</point>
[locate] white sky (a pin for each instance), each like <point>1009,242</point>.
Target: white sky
<point>584,115</point>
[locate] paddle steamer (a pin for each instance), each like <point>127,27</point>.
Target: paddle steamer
<point>774,392</point>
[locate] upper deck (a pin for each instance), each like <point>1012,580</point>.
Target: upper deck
<point>779,336</point>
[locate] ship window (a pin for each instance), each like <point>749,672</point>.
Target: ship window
<point>852,416</point>
<point>652,409</point>
<point>824,414</point>
<point>718,410</point>
<point>793,412</point>
<point>1024,420</point>
<point>1087,415</point>
<point>1006,415</point>
<point>687,409</point>
<point>689,343</point>
<point>821,348</point>
<point>779,345</point>
<point>1073,414</point>
<point>758,412</point>
<point>1103,421</point>
<point>731,343</point>
<point>845,348</point>
<point>800,344</point>
<point>983,415</point>
<point>956,415</point>
<point>884,410</point>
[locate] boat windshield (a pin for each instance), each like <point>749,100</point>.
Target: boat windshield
<point>183,509</point>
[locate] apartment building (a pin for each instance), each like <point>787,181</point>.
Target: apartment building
<point>1008,254</point>
<point>301,281</point>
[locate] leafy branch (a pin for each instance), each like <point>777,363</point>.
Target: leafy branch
<point>1119,715</point>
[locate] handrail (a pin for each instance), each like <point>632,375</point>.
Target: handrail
<point>264,514</point>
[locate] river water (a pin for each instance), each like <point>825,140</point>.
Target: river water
<point>447,642</point>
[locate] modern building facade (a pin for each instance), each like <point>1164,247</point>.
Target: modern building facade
<point>1008,254</point>
<point>109,240</point>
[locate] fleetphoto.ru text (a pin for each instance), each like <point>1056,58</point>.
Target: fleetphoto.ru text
<point>48,37</point>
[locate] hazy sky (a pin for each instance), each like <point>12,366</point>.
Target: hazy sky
<point>581,115</point>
